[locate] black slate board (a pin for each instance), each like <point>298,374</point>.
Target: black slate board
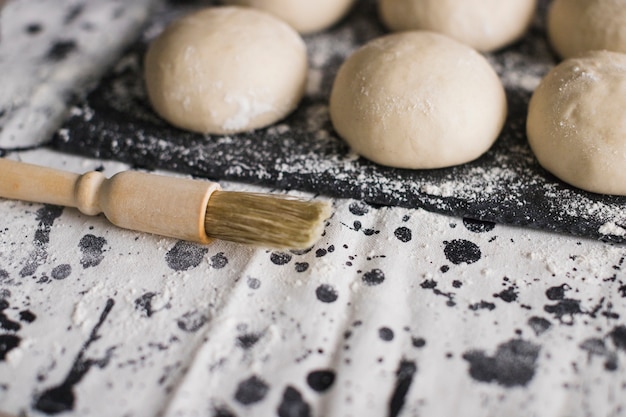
<point>506,185</point>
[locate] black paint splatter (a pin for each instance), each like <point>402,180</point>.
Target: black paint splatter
<point>61,398</point>
<point>513,364</point>
<point>565,310</point>
<point>254,283</point>
<point>60,50</point>
<point>92,248</point>
<point>5,322</point>
<point>403,234</point>
<point>293,405</point>
<point>539,325</point>
<point>222,411</point>
<point>374,277</point>
<point>557,293</point>
<point>302,266</point>
<point>618,335</point>
<point>321,380</point>
<point>73,13</point>
<point>27,316</point>
<point>386,334</point>
<point>192,321</point>
<point>61,271</point>
<point>418,342</point>
<point>483,305</point>
<point>320,253</point>
<point>508,296</point>
<point>597,347</point>
<point>478,226</point>
<point>33,28</point>
<point>431,284</point>
<point>358,208</point>
<point>218,261</point>
<point>280,258</point>
<point>144,303</point>
<point>185,256</point>
<point>461,251</point>
<point>46,217</point>
<point>248,340</point>
<point>251,391</point>
<point>326,293</point>
<point>404,378</point>
<point>8,342</point>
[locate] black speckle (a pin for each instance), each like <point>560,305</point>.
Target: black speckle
<point>60,50</point>
<point>457,284</point>
<point>326,293</point>
<point>556,293</point>
<point>385,333</point>
<point>251,391</point>
<point>8,342</point>
<point>321,380</point>
<point>219,261</point>
<point>27,316</point>
<point>144,303</point>
<point>46,217</point>
<point>403,234</point>
<point>513,364</point>
<point>374,277</point>
<point>33,28</point>
<point>429,284</point>
<point>61,271</point>
<point>92,248</point>
<point>483,305</point>
<point>597,347</point>
<point>618,335</point>
<point>565,310</point>
<point>5,322</point>
<point>302,266</point>
<point>293,405</point>
<point>444,269</point>
<point>192,321</point>
<point>418,342</point>
<point>358,208</point>
<point>184,256</point>
<point>320,253</point>
<point>331,248</point>
<point>508,296</point>
<point>280,258</point>
<point>246,341</point>
<point>478,226</point>
<point>404,378</point>
<point>73,13</point>
<point>222,411</point>
<point>254,283</point>
<point>539,325</point>
<point>461,251</point>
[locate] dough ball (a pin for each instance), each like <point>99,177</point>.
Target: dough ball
<point>576,125</point>
<point>576,26</point>
<point>226,70</point>
<point>418,100</point>
<point>306,16</point>
<point>485,25</point>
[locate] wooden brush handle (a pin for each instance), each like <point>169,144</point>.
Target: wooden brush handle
<point>166,206</point>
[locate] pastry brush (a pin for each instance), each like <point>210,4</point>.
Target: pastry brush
<point>187,209</point>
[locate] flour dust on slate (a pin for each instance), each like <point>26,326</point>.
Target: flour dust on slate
<point>61,398</point>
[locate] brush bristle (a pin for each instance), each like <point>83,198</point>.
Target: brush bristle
<point>265,219</point>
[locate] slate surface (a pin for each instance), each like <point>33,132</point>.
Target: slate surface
<point>506,185</point>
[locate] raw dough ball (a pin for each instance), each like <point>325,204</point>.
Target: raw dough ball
<point>576,125</point>
<point>576,26</point>
<point>306,16</point>
<point>485,25</point>
<point>418,100</point>
<point>225,70</point>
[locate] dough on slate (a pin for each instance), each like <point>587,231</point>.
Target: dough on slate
<point>485,25</point>
<point>418,100</point>
<point>226,70</point>
<point>576,125</point>
<point>577,26</point>
<point>306,16</point>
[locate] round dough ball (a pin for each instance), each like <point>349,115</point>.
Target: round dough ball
<point>306,16</point>
<point>418,100</point>
<point>577,26</point>
<point>485,25</point>
<point>226,70</point>
<point>576,125</point>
